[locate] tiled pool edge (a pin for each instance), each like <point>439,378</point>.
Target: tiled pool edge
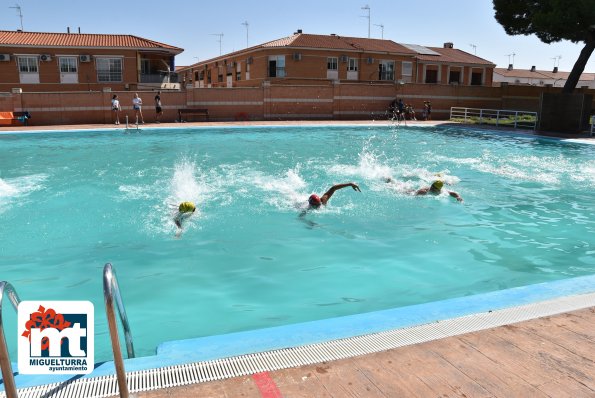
<point>176,353</point>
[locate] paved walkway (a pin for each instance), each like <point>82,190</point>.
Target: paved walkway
<point>545,357</point>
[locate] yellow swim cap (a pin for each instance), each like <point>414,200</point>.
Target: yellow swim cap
<point>186,207</point>
<point>437,185</point>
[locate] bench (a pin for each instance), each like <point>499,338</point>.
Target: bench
<point>192,111</point>
<point>14,118</point>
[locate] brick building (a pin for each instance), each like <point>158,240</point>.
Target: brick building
<point>314,59</point>
<point>45,62</point>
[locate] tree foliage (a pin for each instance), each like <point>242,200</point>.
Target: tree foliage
<point>552,21</point>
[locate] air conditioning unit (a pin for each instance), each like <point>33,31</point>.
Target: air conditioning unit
<point>249,60</point>
<point>4,57</point>
<point>45,57</point>
<point>297,56</point>
<point>84,58</point>
<point>370,60</point>
<point>344,58</point>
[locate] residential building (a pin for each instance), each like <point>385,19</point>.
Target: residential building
<point>535,77</point>
<point>315,59</point>
<point>42,62</point>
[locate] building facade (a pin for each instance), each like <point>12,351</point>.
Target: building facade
<point>314,59</point>
<point>535,77</point>
<point>42,62</point>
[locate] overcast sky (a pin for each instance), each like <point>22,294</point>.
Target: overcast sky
<point>195,25</point>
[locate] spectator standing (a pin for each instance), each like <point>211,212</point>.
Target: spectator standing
<point>158,109</point>
<point>116,108</point>
<point>137,104</point>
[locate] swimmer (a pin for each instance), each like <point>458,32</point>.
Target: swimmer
<point>315,201</point>
<point>435,189</point>
<point>185,210</point>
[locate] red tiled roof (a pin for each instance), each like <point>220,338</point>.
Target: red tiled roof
<point>453,55</point>
<point>539,74</point>
<point>337,42</point>
<point>40,39</point>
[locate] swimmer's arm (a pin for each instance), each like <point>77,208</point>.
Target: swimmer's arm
<point>455,195</point>
<point>422,191</point>
<point>327,195</point>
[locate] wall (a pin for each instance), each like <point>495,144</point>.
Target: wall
<point>276,102</point>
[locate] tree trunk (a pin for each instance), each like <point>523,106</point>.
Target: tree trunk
<point>579,65</point>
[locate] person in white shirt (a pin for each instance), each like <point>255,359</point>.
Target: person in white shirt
<point>136,105</point>
<point>116,108</point>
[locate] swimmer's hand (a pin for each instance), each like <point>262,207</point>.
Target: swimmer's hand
<point>355,187</point>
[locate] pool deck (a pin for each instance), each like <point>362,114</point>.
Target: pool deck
<point>552,356</point>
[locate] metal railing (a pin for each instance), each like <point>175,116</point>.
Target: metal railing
<point>10,387</point>
<point>111,293</point>
<point>159,78</point>
<point>592,125</point>
<point>495,117</point>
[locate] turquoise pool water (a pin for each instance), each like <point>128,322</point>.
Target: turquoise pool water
<point>72,201</point>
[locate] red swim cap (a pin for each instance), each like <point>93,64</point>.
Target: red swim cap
<point>314,200</point>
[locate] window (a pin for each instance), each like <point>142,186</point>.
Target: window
<point>109,69</point>
<point>145,66</point>
<point>476,78</point>
<point>331,63</point>
<point>209,76</point>
<point>454,77</point>
<point>431,76</point>
<point>67,64</point>
<point>407,70</point>
<point>238,76</point>
<point>352,65</point>
<point>277,66</point>
<point>386,70</point>
<point>28,65</point>
<point>219,78</point>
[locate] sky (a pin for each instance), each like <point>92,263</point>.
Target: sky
<point>196,25</point>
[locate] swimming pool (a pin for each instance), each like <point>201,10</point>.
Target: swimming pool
<point>72,201</point>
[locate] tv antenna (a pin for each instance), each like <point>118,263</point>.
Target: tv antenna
<point>381,29</point>
<point>220,39</point>
<point>557,58</point>
<point>367,7</point>
<point>18,8</point>
<point>246,24</point>
<point>474,48</point>
<point>509,55</point>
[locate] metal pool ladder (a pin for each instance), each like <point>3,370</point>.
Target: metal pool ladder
<point>7,376</point>
<point>111,292</point>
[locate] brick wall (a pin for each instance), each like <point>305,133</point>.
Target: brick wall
<point>276,102</point>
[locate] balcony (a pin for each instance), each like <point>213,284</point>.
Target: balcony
<point>159,78</point>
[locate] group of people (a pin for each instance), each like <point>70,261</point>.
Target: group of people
<point>137,104</point>
<point>186,209</point>
<point>400,111</point>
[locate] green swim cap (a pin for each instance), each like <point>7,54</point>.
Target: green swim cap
<point>437,185</point>
<point>186,207</point>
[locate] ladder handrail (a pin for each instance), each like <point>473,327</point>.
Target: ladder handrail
<point>7,376</point>
<point>111,292</point>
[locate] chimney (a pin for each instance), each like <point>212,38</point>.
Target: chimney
<point>68,29</point>
<point>533,68</point>
<point>555,69</point>
<point>79,29</point>
<point>509,66</point>
<point>297,32</point>
<point>448,45</point>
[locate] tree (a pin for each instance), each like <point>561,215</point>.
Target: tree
<point>552,21</point>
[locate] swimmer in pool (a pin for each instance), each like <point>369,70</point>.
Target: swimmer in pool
<point>185,210</point>
<point>315,201</point>
<point>436,189</point>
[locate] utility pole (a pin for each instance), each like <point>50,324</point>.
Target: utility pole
<point>220,40</point>
<point>367,7</point>
<point>18,8</point>
<point>245,23</point>
<point>381,29</point>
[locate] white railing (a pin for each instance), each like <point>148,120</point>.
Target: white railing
<point>496,117</point>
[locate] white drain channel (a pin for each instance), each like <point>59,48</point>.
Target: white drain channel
<point>198,372</point>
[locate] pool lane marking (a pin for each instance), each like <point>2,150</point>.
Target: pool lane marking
<point>266,385</point>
